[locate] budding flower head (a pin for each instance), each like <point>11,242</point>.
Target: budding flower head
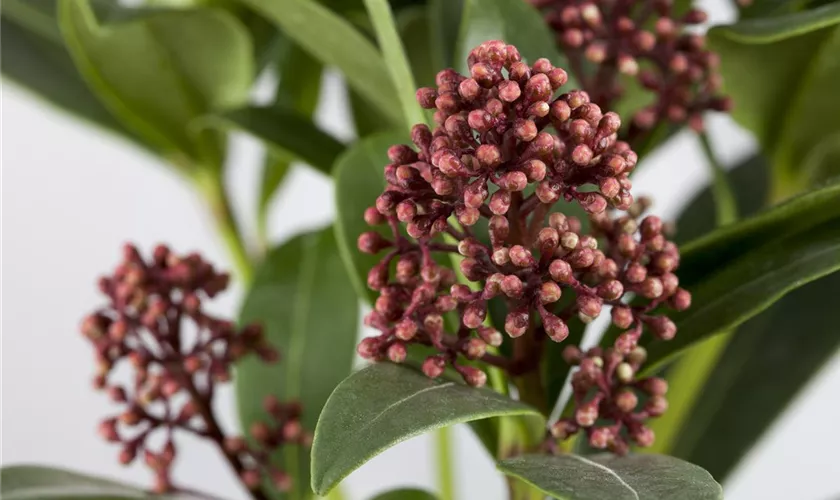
<point>150,304</point>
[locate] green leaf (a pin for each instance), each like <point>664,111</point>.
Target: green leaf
<point>445,17</point>
<point>406,494</point>
<point>336,42</point>
<point>634,477</point>
<point>386,404</point>
<point>34,57</point>
<point>26,482</point>
<point>395,60</point>
<point>514,21</point>
<point>160,70</point>
<point>302,296</point>
<point>749,285</point>
<point>767,363</point>
<point>781,73</point>
<point>415,31</point>
<point>359,180</point>
<point>284,131</point>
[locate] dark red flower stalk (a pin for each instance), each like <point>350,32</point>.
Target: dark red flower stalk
<point>484,184</point>
<point>610,43</point>
<point>155,322</point>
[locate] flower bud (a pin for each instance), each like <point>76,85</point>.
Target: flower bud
<point>517,322</point>
<point>397,352</point>
<point>561,271</point>
<point>626,401</point>
<point>474,348</point>
<point>433,366</point>
<point>490,336</point>
<point>587,414</point>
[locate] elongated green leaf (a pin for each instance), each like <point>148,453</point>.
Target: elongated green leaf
<point>407,494</point>
<point>395,60</point>
<point>336,42</point>
<point>781,72</point>
<point>359,179</point>
<point>513,21</point>
<point>635,477</point>
<point>285,132</point>
<point>415,31</point>
<point>202,60</point>
<point>445,16</point>
<point>386,404</point>
<point>34,57</point>
<point>27,482</point>
<point>303,298</point>
<point>749,285</point>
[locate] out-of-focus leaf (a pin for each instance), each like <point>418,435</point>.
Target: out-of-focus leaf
<point>444,25</point>
<point>406,494</point>
<point>34,57</point>
<point>386,404</point>
<point>202,61</point>
<point>285,132</point>
<point>415,31</point>
<point>28,482</point>
<point>634,477</point>
<point>336,42</point>
<point>395,60</point>
<point>302,296</point>
<point>782,72</point>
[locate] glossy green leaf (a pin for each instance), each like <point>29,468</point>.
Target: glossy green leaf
<point>514,21</point>
<point>396,60</point>
<point>336,42</point>
<point>406,494</point>
<point>34,57</point>
<point>385,404</point>
<point>202,61</point>
<point>359,180</point>
<point>782,72</point>
<point>749,285</point>
<point>285,132</point>
<point>302,296</point>
<point>634,477</point>
<point>27,482</point>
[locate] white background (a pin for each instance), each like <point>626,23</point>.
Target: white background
<point>72,195</point>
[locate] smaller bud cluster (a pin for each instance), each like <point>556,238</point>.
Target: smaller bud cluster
<point>646,41</point>
<point>611,403</point>
<point>155,323</point>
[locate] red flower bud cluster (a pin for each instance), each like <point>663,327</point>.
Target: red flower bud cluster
<point>608,407</point>
<point>646,41</point>
<point>155,323</point>
<point>488,177</point>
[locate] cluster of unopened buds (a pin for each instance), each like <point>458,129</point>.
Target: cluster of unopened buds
<point>606,393</point>
<point>483,185</point>
<point>154,322</point>
<point>645,40</point>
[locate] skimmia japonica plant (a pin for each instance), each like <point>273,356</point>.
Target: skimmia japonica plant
<point>513,279</point>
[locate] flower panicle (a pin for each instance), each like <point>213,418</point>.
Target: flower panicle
<point>155,323</point>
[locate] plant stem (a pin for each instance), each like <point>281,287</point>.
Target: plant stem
<point>446,479</point>
<point>726,208</point>
<point>212,187</point>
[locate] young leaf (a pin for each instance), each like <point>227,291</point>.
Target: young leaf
<point>635,477</point>
<point>395,60</point>
<point>385,404</point>
<point>749,285</point>
<point>782,73</point>
<point>302,296</point>
<point>359,180</point>
<point>336,42</point>
<point>34,57</point>
<point>406,494</point>
<point>284,131</point>
<point>203,62</point>
<point>24,482</point>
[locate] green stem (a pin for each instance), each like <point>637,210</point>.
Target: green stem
<point>726,208</point>
<point>211,186</point>
<point>446,478</point>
